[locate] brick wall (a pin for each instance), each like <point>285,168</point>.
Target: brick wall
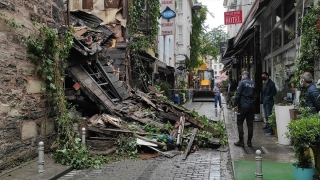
<point>23,110</point>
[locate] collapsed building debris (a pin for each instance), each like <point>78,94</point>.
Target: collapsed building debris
<point>96,74</point>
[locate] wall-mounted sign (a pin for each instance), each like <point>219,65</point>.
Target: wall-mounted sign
<point>180,57</point>
<point>233,17</point>
<point>168,13</point>
<point>223,47</point>
<point>167,17</point>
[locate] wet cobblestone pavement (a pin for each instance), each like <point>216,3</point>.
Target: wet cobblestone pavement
<point>204,164</point>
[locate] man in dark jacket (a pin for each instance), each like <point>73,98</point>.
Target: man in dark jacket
<point>268,92</point>
<point>245,101</point>
<point>312,93</point>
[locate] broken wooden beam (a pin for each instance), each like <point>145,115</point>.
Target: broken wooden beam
<point>152,141</point>
<point>112,131</point>
<point>193,135</point>
<point>146,121</point>
<point>105,152</point>
<point>169,116</point>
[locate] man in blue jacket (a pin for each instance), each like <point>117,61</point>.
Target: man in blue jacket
<point>268,92</point>
<point>245,101</point>
<point>312,93</point>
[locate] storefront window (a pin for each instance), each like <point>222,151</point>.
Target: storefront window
<point>289,28</point>
<point>279,13</point>
<point>276,44</point>
<point>283,69</point>
<point>288,7</point>
<point>267,44</point>
<point>277,77</point>
<point>268,23</point>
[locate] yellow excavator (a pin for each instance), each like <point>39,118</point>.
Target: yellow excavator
<point>203,86</point>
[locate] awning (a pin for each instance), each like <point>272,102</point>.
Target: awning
<point>226,60</point>
<point>257,8</point>
<point>229,49</point>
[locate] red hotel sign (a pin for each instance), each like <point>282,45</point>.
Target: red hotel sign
<point>233,17</point>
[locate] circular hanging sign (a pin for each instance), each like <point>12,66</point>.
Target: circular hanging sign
<point>180,57</point>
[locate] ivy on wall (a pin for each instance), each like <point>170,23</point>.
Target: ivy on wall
<point>49,51</point>
<point>198,19</point>
<point>309,49</point>
<point>140,41</point>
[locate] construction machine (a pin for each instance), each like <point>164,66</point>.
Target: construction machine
<point>203,85</point>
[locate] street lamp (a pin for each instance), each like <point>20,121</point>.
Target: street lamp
<point>196,7</point>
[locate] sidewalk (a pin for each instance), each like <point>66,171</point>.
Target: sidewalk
<point>271,150</point>
<point>29,170</point>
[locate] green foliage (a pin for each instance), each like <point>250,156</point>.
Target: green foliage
<point>272,119</point>
<point>49,51</point>
<point>139,40</point>
<point>11,22</point>
<point>165,86</point>
<point>204,42</point>
<point>127,145</point>
<point>197,24</point>
<point>304,133</point>
<point>78,157</point>
<point>219,131</point>
<point>210,42</point>
<point>308,47</point>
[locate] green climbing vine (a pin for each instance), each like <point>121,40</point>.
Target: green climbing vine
<point>309,49</point>
<point>49,52</point>
<point>142,40</point>
<point>198,19</point>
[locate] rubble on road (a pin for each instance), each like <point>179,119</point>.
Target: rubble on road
<point>155,122</point>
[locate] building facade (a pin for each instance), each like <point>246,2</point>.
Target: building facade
<point>268,41</point>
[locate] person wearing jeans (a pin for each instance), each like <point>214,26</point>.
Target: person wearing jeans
<point>217,96</point>
<point>268,92</point>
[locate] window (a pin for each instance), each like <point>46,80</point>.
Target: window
<point>276,44</point>
<point>180,5</point>
<point>215,73</point>
<point>279,13</point>
<point>215,67</point>
<point>268,23</point>
<point>180,34</point>
<point>267,44</point>
<point>288,7</point>
<point>289,28</point>
<point>220,66</point>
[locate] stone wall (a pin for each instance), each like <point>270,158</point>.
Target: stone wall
<point>25,116</point>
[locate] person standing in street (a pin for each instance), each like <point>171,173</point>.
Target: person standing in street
<point>217,95</point>
<point>312,93</point>
<point>244,100</point>
<point>268,92</point>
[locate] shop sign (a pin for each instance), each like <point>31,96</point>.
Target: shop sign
<point>233,17</point>
<point>167,17</point>
<point>180,57</point>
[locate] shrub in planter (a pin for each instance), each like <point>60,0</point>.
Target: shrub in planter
<point>305,133</point>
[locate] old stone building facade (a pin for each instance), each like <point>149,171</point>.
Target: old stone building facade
<point>25,115</point>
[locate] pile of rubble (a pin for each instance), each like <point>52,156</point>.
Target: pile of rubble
<point>174,123</point>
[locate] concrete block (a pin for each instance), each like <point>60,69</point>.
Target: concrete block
<point>3,36</point>
<point>4,108</point>
<point>34,86</point>
<point>47,126</point>
<point>28,130</point>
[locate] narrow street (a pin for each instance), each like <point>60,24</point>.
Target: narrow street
<point>213,164</point>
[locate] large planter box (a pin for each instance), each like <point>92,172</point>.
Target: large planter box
<point>283,119</point>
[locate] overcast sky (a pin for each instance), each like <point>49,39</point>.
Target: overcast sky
<point>217,9</point>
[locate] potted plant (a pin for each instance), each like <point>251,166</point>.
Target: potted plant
<point>304,134</point>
